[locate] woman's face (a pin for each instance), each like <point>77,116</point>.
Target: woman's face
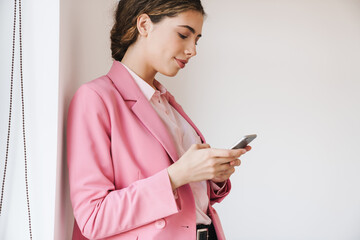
<point>172,42</point>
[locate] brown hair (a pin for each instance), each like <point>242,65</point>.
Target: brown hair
<point>124,32</point>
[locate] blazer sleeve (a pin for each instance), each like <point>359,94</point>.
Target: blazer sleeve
<point>99,209</point>
<point>217,194</point>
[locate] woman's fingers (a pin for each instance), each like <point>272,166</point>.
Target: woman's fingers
<point>236,162</point>
<point>225,153</point>
<point>232,162</point>
<point>202,161</point>
<point>229,160</point>
<point>226,166</point>
<point>224,175</point>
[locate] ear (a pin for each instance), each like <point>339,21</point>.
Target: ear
<point>144,24</point>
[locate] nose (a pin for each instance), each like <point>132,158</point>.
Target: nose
<point>191,50</point>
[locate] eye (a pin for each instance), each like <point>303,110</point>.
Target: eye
<point>182,36</point>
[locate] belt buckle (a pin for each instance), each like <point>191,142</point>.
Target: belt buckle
<point>202,234</point>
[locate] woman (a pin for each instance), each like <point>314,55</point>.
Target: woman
<point>138,166</point>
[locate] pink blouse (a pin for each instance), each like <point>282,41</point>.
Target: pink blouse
<point>183,135</point>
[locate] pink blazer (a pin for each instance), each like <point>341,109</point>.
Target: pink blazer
<point>118,151</point>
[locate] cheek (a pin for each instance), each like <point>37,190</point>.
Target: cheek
<point>168,47</point>
<point>161,53</point>
<point>176,45</point>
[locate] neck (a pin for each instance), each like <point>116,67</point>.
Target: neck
<point>134,60</point>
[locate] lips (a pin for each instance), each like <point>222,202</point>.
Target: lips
<point>181,62</point>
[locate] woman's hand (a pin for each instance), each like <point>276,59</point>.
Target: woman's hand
<point>201,162</point>
<point>223,176</point>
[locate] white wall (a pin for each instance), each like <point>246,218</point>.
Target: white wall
<point>290,72</point>
<point>84,55</point>
<point>286,70</point>
<point>40,66</point>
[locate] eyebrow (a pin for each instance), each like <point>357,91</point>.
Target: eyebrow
<point>190,28</point>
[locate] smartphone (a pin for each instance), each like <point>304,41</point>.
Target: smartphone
<point>244,141</point>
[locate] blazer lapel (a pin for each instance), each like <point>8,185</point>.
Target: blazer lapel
<point>130,91</point>
<point>149,117</point>
<point>180,110</point>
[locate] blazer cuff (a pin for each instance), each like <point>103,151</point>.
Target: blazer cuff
<point>217,193</point>
<point>218,187</point>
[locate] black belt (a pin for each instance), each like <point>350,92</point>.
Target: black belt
<point>205,232</point>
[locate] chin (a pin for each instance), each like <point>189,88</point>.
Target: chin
<point>173,74</point>
<point>169,72</point>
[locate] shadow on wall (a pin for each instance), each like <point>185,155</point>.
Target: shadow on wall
<point>84,55</point>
